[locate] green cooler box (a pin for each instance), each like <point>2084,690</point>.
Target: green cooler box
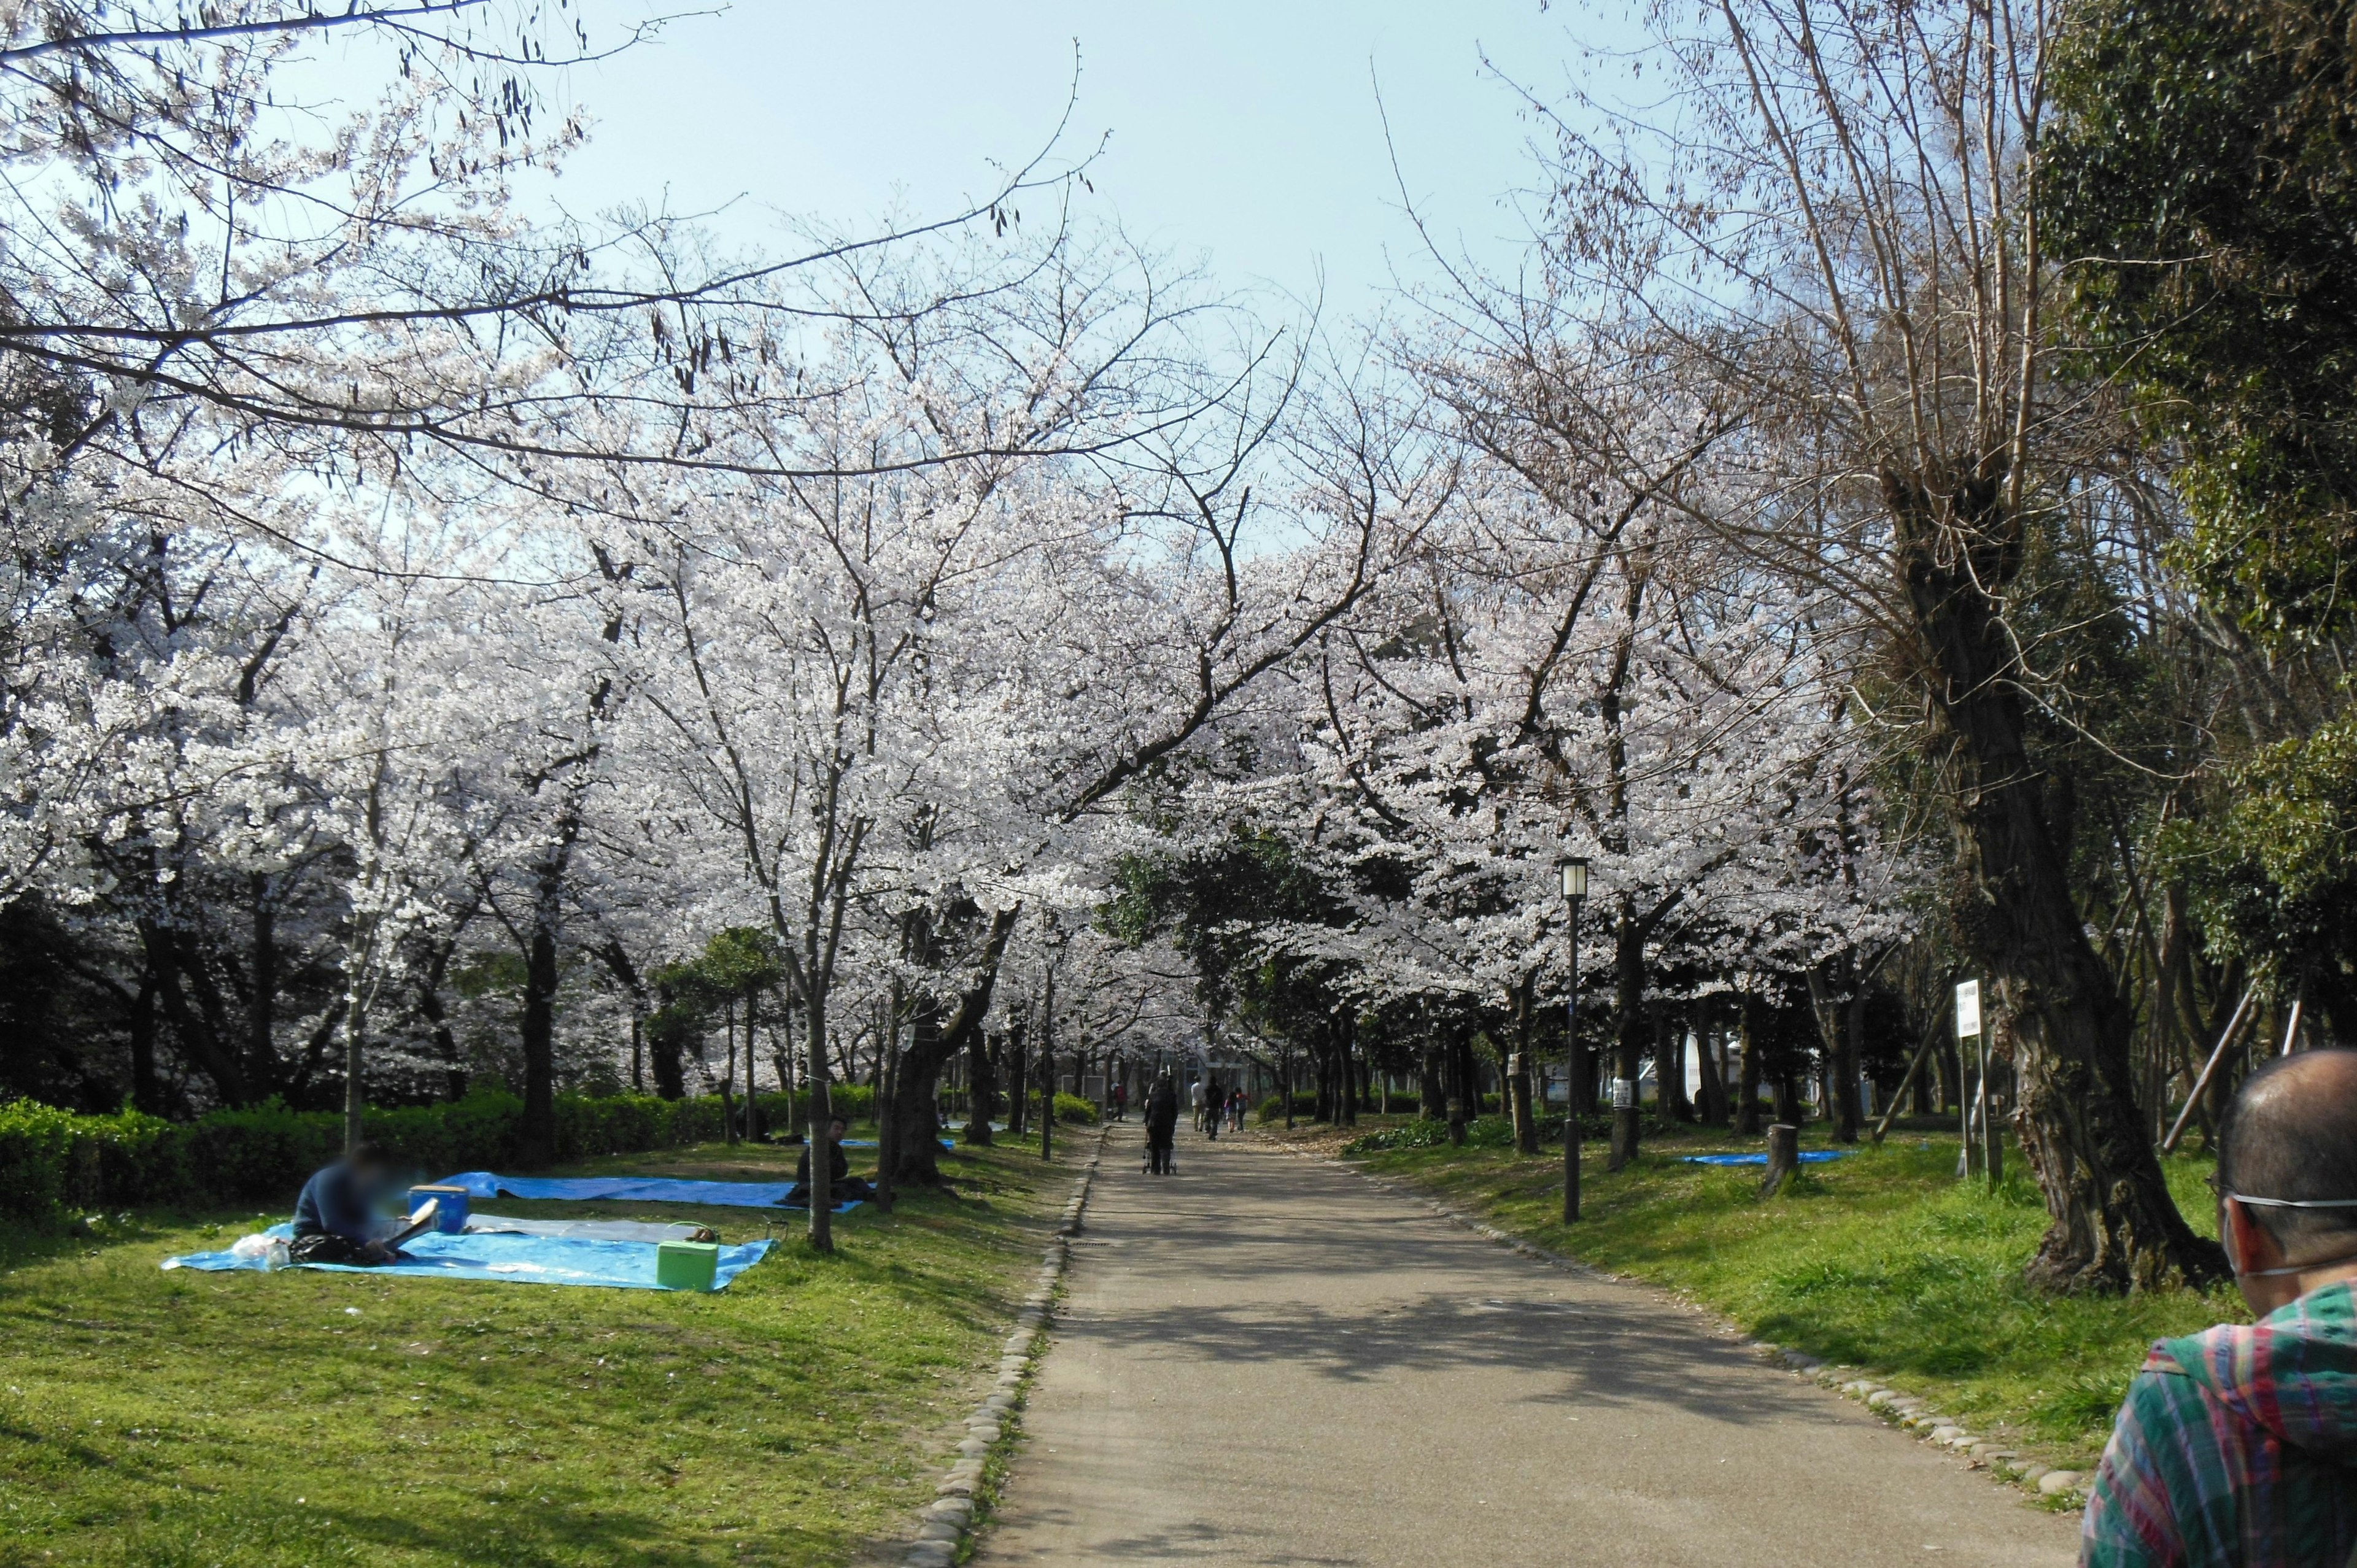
<point>687,1265</point>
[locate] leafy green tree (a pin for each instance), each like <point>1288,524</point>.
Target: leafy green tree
<point>2202,174</point>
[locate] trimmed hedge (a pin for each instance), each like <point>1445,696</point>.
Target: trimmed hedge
<point>851,1101</point>
<point>54,1161</point>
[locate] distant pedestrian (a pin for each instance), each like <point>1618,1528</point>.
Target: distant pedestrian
<point>1120,1102</point>
<point>2235,1446</point>
<point>1215,1104</point>
<point>1161,1122</point>
<point>1195,1100</point>
<point>1236,1109</point>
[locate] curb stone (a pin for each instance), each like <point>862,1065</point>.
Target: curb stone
<point>943,1526</point>
<point>1910,1412</point>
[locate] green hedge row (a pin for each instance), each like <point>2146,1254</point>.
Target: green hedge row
<point>54,1161</point>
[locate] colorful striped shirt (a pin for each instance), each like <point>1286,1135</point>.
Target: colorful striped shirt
<point>2237,1448</point>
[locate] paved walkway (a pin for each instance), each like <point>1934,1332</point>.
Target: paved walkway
<point>1267,1359</point>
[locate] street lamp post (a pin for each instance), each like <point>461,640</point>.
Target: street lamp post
<point>1575,888</point>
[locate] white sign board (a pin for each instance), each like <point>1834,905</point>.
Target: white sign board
<point>1968,1009</point>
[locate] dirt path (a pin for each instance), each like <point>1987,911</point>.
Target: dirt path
<point>1267,1359</point>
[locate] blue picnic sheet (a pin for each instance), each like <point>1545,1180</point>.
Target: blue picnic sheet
<point>1812,1156</point>
<point>506,1258</point>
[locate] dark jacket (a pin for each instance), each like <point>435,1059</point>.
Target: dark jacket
<point>1161,1109</point>
<point>838,1165</point>
<point>335,1202</point>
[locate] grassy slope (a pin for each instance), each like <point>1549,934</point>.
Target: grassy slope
<point>1883,1261</point>
<point>165,1419</point>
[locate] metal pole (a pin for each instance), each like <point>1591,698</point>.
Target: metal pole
<point>1573,1064</point>
<point>2225,1038</point>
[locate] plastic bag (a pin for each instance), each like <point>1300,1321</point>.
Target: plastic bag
<point>271,1249</point>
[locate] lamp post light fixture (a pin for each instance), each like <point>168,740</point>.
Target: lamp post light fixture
<point>1575,889</point>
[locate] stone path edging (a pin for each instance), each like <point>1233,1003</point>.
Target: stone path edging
<point>1903,1410</point>
<point>946,1523</point>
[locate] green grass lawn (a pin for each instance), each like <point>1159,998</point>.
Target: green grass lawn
<point>162,1419</point>
<point>1883,1260</point>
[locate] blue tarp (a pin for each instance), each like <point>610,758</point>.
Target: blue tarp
<point>1814,1156</point>
<point>636,1189</point>
<point>508,1259</point>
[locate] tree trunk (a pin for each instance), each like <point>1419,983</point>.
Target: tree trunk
<point>822,1116</point>
<point>1629,1055</point>
<point>1019,1072</point>
<point>437,1019</point>
<point>728,1077</point>
<point>1830,987</point>
<point>2113,1225</point>
<point>935,1036</point>
<point>537,1134</point>
<point>981,1090</point>
<point>1518,1068</point>
<point>1670,1063</point>
<point>1747,1082</point>
<point>262,1007</point>
<point>146,1093</point>
<point>1710,1039</point>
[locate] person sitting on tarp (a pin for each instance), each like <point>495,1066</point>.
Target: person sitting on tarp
<point>335,1219</point>
<point>842,1187</point>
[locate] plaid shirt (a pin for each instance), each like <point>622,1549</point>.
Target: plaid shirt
<point>2237,1448</point>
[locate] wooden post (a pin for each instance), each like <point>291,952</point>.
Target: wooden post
<point>1783,1157</point>
<point>1891,1110</point>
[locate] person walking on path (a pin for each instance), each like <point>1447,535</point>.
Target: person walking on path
<point>1214,1108</point>
<point>2237,1446</point>
<point>1120,1102</point>
<point>1236,1109</point>
<point>1161,1122</point>
<point>1195,1100</point>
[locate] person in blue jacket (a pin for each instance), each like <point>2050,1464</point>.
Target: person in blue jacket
<point>335,1219</point>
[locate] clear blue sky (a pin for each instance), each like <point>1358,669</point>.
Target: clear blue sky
<point>1246,133</point>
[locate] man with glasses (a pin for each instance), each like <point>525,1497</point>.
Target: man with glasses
<point>2239,1445</point>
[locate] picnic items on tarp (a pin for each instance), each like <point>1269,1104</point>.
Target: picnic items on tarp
<point>511,1258</point>
<point>452,1213</point>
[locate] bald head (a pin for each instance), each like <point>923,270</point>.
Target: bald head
<point>2292,1133</point>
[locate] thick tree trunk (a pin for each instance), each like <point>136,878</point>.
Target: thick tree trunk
<point>1670,1063</point>
<point>1019,1072</point>
<point>1709,1040</point>
<point>1830,984</point>
<point>1628,1051</point>
<point>2114,1226</point>
<point>936,1035</point>
<point>981,1091</point>
<point>1747,1074</point>
<point>437,1020</point>
<point>1431,1096</point>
